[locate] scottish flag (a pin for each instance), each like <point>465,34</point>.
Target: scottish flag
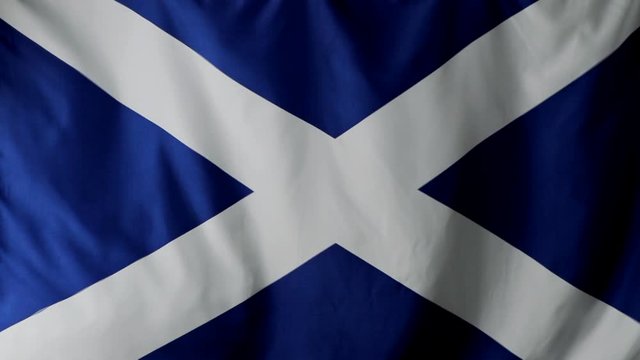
<point>319,179</point>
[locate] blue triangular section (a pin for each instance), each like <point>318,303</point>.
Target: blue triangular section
<point>87,186</point>
<point>335,306</point>
<point>562,183</point>
<point>331,63</point>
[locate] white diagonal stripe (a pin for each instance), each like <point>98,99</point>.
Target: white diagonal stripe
<point>472,273</point>
<point>134,62</point>
<point>310,190</point>
<point>494,80</point>
<point>151,302</point>
<point>415,137</point>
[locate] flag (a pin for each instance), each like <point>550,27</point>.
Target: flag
<point>319,179</point>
